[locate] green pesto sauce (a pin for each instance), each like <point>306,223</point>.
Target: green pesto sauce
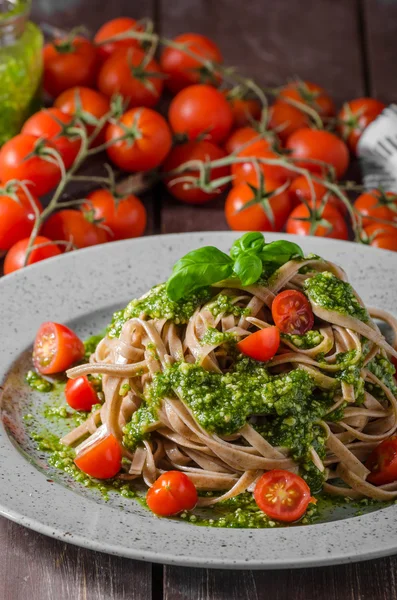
<point>308,340</point>
<point>91,343</point>
<point>215,337</point>
<point>331,293</point>
<point>157,305</point>
<point>223,304</point>
<point>38,383</point>
<point>384,370</point>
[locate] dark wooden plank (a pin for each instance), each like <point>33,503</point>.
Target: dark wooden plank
<point>36,567</point>
<point>271,42</point>
<point>380,33</point>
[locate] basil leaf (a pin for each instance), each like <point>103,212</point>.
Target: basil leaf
<point>196,270</point>
<point>248,267</point>
<point>280,252</point>
<point>252,241</point>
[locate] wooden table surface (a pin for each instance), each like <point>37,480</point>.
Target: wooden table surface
<point>349,47</point>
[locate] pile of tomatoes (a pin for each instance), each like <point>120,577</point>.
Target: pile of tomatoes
<point>111,88</point>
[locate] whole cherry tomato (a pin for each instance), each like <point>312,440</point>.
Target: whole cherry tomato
<point>86,105</point>
<point>56,348</point>
<point>148,140</point>
<point>183,69</point>
<point>319,145</point>
<point>172,493</point>
<point>286,119</point>
<point>337,228</point>
<point>247,172</point>
<point>255,217</point>
<point>377,204</point>
<point>17,215</point>
<point>42,248</point>
<point>54,125</point>
<point>310,94</point>
<point>282,495</point>
<point>385,241</point>
<point>116,27</point>
<point>127,72</point>
<point>240,137</point>
<point>355,116</point>
<point>292,312</point>
<point>72,226</point>
<point>300,190</point>
<point>125,216</point>
<point>203,151</point>
<point>101,460</point>
<point>80,393</point>
<point>201,110</point>
<point>67,63</point>
<point>245,109</point>
<point>22,158</point>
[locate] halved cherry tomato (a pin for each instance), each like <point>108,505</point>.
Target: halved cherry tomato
<point>300,190</point>
<point>15,257</point>
<point>16,215</point>
<point>298,223</point>
<point>80,394</point>
<point>247,172</point>
<point>171,493</point>
<point>382,462</point>
<point>182,69</point>
<point>241,137</point>
<point>56,348</point>
<point>102,459</point>
<point>261,345</point>
<point>292,313</point>
<point>282,495</point>
<point>319,145</point>
<point>355,116</point>
<point>111,29</point>
<point>125,216</point>
<point>377,204</point>
<point>310,94</point>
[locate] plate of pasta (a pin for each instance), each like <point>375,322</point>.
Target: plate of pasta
<point>204,400</point>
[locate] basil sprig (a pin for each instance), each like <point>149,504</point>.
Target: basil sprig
<point>249,257</point>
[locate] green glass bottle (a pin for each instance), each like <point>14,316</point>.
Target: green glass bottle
<point>21,66</point>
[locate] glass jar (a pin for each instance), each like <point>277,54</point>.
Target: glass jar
<point>21,66</point>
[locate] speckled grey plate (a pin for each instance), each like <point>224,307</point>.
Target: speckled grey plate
<point>82,289</point>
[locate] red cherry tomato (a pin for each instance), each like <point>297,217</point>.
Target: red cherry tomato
<point>286,119</point>
<point>320,145</point>
<point>15,164</point>
<point>15,257</point>
<point>382,462</point>
<point>127,73</point>
<point>56,348</point>
<point>80,394</point>
<point>204,151</point>
<point>16,215</point>
<point>247,172</point>
<point>310,94</point>
<point>124,216</point>
<point>337,230</point>
<point>146,147</point>
<point>201,110</point>
<point>300,190</point>
<point>380,229</point>
<point>245,110</point>
<point>282,495</point>
<point>254,218</point>
<point>102,459</point>
<point>387,242</point>
<point>86,105</point>
<point>292,313</point>
<point>377,204</point>
<point>261,345</point>
<point>171,493</point>
<point>68,63</point>
<point>355,116</point>
<point>241,137</point>
<point>183,70</point>
<point>111,29</point>
<point>46,124</point>
<point>72,226</point>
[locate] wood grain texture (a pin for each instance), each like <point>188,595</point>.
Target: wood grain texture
<point>35,567</point>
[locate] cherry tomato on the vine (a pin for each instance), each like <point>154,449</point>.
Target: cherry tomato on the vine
<point>382,462</point>
<point>247,172</point>
<point>125,216</point>
<point>182,69</point>
<point>386,241</point>
<point>67,63</point>
<point>86,105</point>
<point>171,493</point>
<point>300,190</point>
<point>127,72</point>
<point>146,143</point>
<point>282,495</point>
<point>113,28</point>
<point>42,174</point>
<point>310,94</point>
<point>102,459</point>
<point>381,229</point>
<point>56,348</point>
<point>355,116</point>
<point>254,217</point>
<point>245,109</point>
<point>73,226</point>
<point>261,345</point>
<point>335,226</point>
<point>201,110</point>
<point>240,137</point>
<point>319,145</point>
<point>15,257</point>
<point>80,393</point>
<point>54,125</point>
<point>377,204</point>
<point>201,150</point>
<point>16,215</point>
<point>285,119</point>
<point>292,313</point>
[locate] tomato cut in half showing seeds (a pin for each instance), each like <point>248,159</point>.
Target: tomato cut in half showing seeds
<point>171,493</point>
<point>382,462</point>
<point>292,313</point>
<point>80,394</point>
<point>282,495</point>
<point>56,348</point>
<point>261,345</point>
<point>101,459</point>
